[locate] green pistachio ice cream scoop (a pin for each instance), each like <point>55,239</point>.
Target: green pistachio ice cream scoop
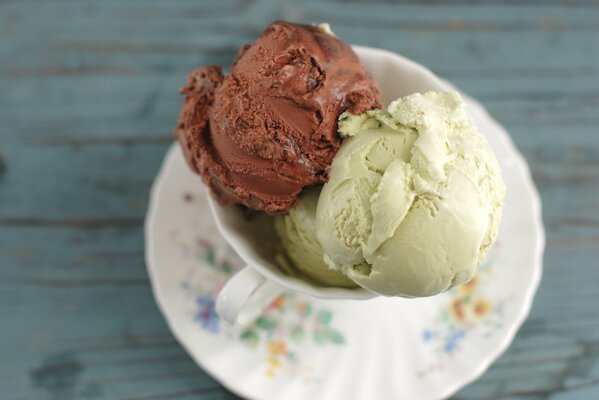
<point>414,198</point>
<point>412,205</point>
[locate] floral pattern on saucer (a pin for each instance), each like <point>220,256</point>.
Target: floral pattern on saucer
<point>284,326</point>
<point>468,308</point>
<point>290,321</point>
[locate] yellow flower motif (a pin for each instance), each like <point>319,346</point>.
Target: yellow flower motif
<point>456,309</point>
<point>278,302</point>
<point>481,307</point>
<point>273,362</point>
<point>468,287</point>
<point>277,347</point>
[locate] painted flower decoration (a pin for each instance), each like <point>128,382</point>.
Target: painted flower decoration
<point>206,314</point>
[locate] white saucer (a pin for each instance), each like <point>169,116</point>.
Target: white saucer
<point>306,348</point>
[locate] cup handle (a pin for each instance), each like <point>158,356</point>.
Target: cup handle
<point>244,296</point>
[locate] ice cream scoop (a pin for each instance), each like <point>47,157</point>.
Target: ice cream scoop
<point>301,250</point>
<point>414,198</point>
<point>266,130</point>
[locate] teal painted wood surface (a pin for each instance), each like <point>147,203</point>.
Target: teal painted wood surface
<point>88,98</point>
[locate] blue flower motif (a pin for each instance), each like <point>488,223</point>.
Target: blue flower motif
<point>206,314</point>
<point>427,335</point>
<point>453,339</point>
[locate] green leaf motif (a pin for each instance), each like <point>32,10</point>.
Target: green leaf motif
<point>250,337</point>
<point>226,267</point>
<point>297,334</point>
<point>324,317</point>
<point>266,323</point>
<point>307,309</point>
<point>336,337</point>
<point>320,337</point>
<point>210,257</point>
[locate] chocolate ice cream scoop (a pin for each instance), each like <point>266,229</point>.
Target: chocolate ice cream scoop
<point>265,131</point>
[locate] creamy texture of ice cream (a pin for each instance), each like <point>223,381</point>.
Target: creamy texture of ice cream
<point>301,249</point>
<point>266,130</point>
<point>414,198</point>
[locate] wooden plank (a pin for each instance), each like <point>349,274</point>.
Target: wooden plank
<point>454,50</point>
<point>97,186</point>
<point>57,256</point>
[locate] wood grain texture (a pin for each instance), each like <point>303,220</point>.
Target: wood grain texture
<point>88,98</point>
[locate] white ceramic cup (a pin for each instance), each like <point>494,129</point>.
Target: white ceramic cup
<point>246,294</point>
